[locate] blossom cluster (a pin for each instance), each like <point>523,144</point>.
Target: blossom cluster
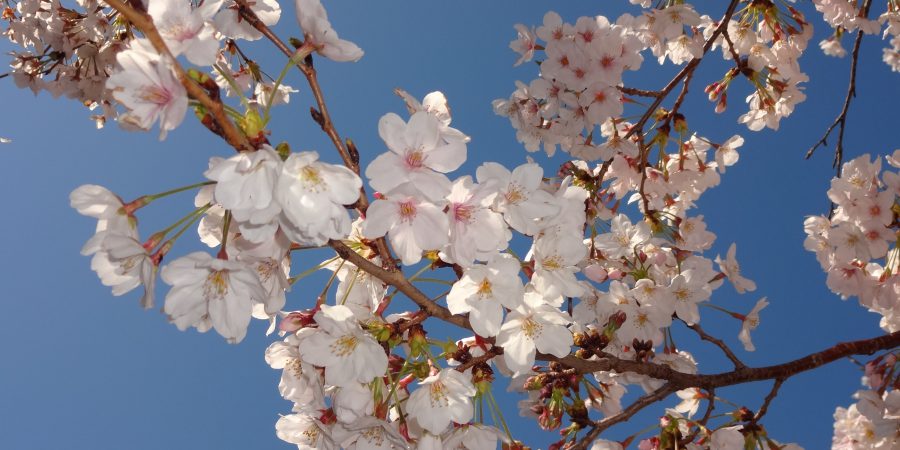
<point>857,245</point>
<point>873,422</point>
<point>593,283</point>
<point>581,71</point>
<point>846,16</point>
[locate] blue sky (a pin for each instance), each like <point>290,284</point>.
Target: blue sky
<point>89,371</point>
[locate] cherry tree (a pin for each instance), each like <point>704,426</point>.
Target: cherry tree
<point>569,280</point>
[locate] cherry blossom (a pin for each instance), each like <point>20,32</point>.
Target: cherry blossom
<point>442,398</point>
<point>348,353</point>
<point>209,293</point>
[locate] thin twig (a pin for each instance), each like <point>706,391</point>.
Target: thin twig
<point>626,413</point>
<point>487,356</point>
<point>841,119</point>
<point>768,400</point>
<point>351,159</point>
<point>638,92</point>
<point>710,406</point>
<point>738,364</point>
<point>690,67</point>
<point>143,22</point>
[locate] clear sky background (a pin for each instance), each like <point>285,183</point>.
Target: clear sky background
<point>84,370</point>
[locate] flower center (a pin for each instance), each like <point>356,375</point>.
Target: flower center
<point>407,211</point>
<point>484,289</point>
<point>345,345</point>
<point>552,263</point>
<point>414,159</point>
<point>311,178</point>
<point>515,194</point>
<point>531,328</point>
<point>216,286</point>
<point>463,212</point>
<point>438,395</point>
<point>155,95</point>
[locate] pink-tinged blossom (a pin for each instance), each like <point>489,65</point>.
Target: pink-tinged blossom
<point>476,232</point>
<point>623,239</point>
<point>727,154</point>
<point>521,200</point>
<point>483,292</point>
<point>318,32</point>
<point>186,29</point>
<point>749,323</point>
<point>524,44</point>
<point>688,291</point>
<point>347,352</point>
<point>435,103</point>
<point>730,267</point>
<point>418,156</point>
<point>440,399</point>
<point>411,224</point>
<point>312,195</point>
<point>533,326</point>
<point>147,86</point>
<point>211,293</point>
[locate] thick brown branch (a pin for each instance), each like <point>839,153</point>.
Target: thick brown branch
<point>737,376</point>
<point>738,364</point>
<point>399,281</point>
<point>143,22</point>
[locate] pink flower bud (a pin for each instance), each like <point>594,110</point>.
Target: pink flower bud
<point>595,273</point>
<point>615,274</point>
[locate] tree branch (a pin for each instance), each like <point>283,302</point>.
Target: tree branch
<point>689,68</point>
<point>322,117</point>
<point>841,119</point>
<point>631,410</point>
<point>738,364</point>
<point>143,22</point>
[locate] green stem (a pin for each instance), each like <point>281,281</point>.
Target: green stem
<point>493,404</point>
<point>150,198</point>
<point>284,72</point>
<point>198,211</point>
<point>310,271</point>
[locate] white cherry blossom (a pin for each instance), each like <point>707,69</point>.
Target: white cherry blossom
<point>440,399</point>
<point>347,352</point>
<point>209,293</point>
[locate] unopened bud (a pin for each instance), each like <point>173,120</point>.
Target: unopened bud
<point>296,320</point>
<point>284,150</point>
<point>418,343</point>
<point>723,103</point>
